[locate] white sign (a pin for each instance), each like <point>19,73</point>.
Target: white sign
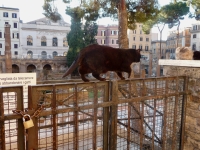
<point>25,79</point>
<point>16,79</point>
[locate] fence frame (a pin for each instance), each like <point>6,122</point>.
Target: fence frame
<point>109,104</point>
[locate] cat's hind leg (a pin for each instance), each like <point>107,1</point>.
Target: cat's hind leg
<point>128,70</point>
<point>83,71</point>
<point>84,78</point>
<point>97,76</point>
<point>120,75</point>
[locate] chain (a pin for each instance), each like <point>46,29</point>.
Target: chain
<point>35,114</point>
<point>38,111</point>
<point>19,112</point>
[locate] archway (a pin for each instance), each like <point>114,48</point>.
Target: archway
<point>47,67</point>
<point>31,68</point>
<point>15,68</point>
<point>46,70</point>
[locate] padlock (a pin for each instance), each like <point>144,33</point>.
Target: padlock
<point>27,121</point>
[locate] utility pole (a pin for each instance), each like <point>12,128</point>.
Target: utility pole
<point>8,60</point>
<point>150,64</point>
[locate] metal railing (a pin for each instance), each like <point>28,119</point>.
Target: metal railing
<point>132,114</point>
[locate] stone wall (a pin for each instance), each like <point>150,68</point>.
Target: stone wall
<point>192,124</point>
<point>58,67</point>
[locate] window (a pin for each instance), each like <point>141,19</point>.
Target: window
<point>103,41</point>
<point>140,31</point>
<point>5,14</point>
<point>65,44</point>
<point>194,47</point>
<point>55,41</point>
<point>195,27</point>
<point>55,54</point>
<point>14,15</point>
<point>15,35</point>
<point>103,33</point>
<point>44,54</point>
<point>15,45</point>
<point>15,25</point>
<point>114,32</point>
<point>134,31</point>
<point>30,54</point>
<point>0,34</point>
<point>133,38</point>
<point>146,48</point>
<point>141,39</point>
<point>113,42</point>
<point>29,40</point>
<point>16,52</point>
<point>194,36</point>
<point>147,39</point>
<point>0,45</point>
<point>134,46</point>
<point>117,42</point>
<point>140,47</point>
<point>43,41</point>
<point>6,22</point>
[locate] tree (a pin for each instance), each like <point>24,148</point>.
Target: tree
<point>195,4</point>
<point>175,12</point>
<point>89,32</point>
<point>127,12</point>
<point>75,36</point>
<point>170,14</point>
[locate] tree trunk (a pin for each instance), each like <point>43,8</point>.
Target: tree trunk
<point>122,27</point>
<point>177,34</point>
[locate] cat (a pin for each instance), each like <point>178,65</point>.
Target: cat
<point>196,55</point>
<point>98,59</point>
<point>184,53</point>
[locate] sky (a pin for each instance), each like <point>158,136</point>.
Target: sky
<point>32,9</point>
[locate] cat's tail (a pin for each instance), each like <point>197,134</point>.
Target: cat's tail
<point>72,67</point>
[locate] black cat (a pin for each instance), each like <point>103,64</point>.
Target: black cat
<point>98,59</point>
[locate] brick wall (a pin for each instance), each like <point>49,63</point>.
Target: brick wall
<point>192,124</point>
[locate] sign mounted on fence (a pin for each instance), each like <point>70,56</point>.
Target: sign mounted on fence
<point>14,79</point>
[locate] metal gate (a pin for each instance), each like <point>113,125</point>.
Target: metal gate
<point>138,114</point>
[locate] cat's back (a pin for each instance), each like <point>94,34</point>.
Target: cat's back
<point>184,53</point>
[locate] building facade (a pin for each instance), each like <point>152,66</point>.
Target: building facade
<point>155,47</point>
<point>184,40</point>
<point>195,36</point>
<point>38,46</point>
<point>44,39</point>
<point>10,16</point>
<point>107,35</point>
<point>139,40</point>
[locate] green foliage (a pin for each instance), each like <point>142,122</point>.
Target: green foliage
<point>75,37</point>
<point>141,12</point>
<point>91,10</point>
<point>75,13</point>
<point>148,25</point>
<point>195,4</point>
<point>175,12</point>
<point>50,12</point>
<point>78,38</point>
<point>90,31</point>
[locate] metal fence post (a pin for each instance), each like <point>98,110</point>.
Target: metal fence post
<point>113,116</point>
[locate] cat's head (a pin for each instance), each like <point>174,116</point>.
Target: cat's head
<point>138,55</point>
